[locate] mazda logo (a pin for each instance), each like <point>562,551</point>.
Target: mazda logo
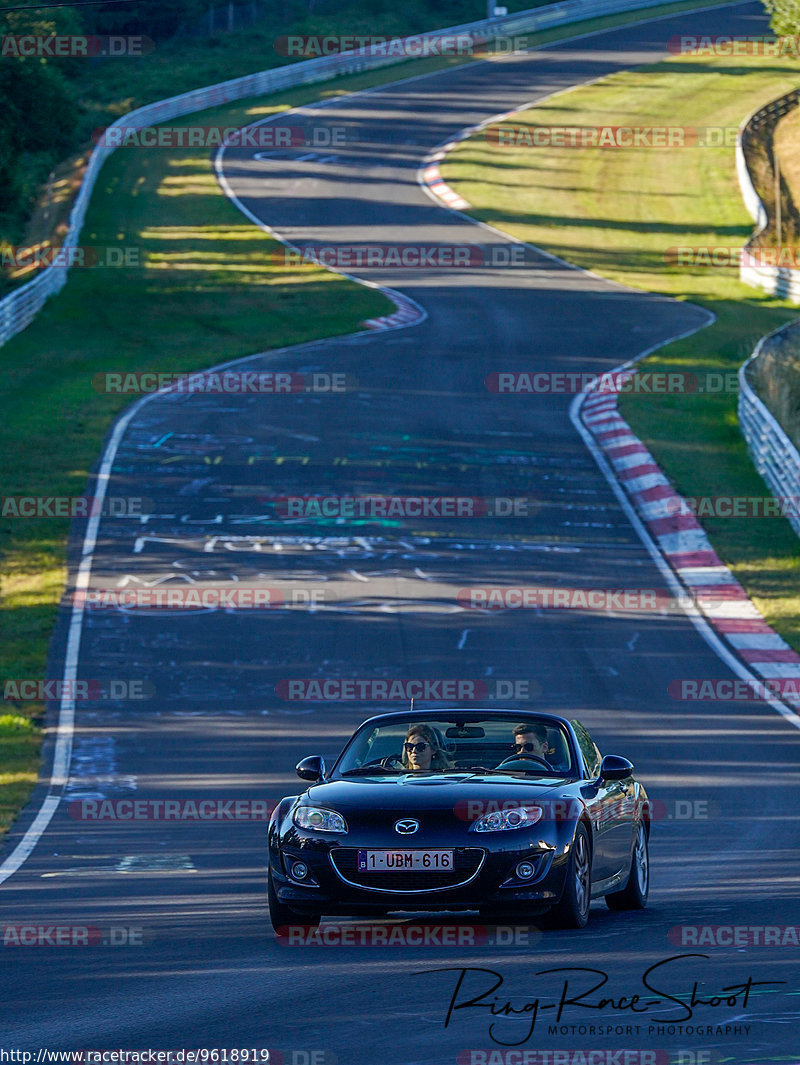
<point>406,827</point>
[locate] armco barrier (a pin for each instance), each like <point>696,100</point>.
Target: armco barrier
<point>777,280</point>
<point>19,308</point>
<point>775,456</point>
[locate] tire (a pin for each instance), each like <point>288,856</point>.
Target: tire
<point>282,917</point>
<point>634,895</point>
<point>573,909</point>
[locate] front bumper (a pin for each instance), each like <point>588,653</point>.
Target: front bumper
<point>483,877</point>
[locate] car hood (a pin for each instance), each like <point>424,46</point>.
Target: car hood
<point>408,791</point>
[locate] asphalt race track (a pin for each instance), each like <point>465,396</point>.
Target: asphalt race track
<point>380,600</point>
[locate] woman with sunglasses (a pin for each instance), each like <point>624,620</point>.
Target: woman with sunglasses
<point>422,750</point>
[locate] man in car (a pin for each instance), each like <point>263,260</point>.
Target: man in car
<point>531,739</point>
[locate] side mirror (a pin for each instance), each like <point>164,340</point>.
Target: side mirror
<point>311,768</point>
<point>613,767</point>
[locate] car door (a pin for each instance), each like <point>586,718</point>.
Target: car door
<point>610,803</point>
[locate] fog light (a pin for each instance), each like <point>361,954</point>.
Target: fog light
<point>525,870</point>
<point>299,870</point>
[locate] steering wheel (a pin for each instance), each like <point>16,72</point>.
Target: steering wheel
<point>391,761</point>
<point>527,757</point>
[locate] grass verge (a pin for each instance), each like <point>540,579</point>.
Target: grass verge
<point>20,740</point>
<point>204,294</point>
<point>617,212</point>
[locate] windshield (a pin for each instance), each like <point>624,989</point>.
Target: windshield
<point>445,744</point>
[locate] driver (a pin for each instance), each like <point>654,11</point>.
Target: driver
<point>531,739</point>
<point>422,750</point>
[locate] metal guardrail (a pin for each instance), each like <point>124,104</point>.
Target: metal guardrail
<point>773,453</point>
<point>780,281</point>
<point>775,456</point>
<point>19,307</point>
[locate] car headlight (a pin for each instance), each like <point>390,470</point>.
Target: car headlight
<point>503,820</point>
<point>319,820</point>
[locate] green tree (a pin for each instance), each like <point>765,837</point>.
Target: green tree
<point>149,18</point>
<point>784,16</point>
<point>39,113</point>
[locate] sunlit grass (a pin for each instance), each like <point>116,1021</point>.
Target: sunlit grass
<point>618,212</point>
<point>19,758</point>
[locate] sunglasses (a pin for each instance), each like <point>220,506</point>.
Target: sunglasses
<point>525,747</point>
<point>416,746</point>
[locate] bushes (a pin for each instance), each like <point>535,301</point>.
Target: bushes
<point>150,18</point>
<point>37,123</point>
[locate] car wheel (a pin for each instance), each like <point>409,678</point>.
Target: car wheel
<point>573,909</point>
<point>634,895</point>
<point>282,917</point>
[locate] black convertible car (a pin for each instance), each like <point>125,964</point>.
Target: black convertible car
<point>515,814</point>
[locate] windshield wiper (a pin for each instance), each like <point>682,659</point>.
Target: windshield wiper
<point>366,770</point>
<point>505,769</point>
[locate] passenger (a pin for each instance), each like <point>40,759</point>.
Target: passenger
<point>423,749</point>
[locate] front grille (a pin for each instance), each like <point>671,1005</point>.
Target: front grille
<point>467,862</point>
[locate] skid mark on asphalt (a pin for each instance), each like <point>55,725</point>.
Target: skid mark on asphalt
<point>93,769</point>
<point>138,864</point>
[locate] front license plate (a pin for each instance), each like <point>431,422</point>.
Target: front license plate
<point>402,860</point>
